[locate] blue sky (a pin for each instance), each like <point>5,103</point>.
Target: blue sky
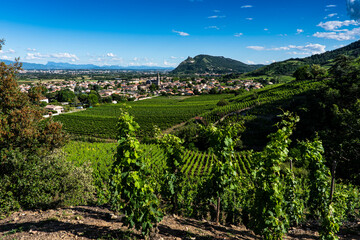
<point>165,32</point>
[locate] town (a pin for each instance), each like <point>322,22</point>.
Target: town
<point>83,91</point>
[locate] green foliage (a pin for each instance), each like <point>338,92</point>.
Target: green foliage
<point>93,99</point>
<point>173,148</point>
<point>21,123</point>
<point>223,175</point>
<point>130,191</point>
<point>222,103</point>
<point>42,182</point>
<point>294,198</point>
<point>318,72</point>
<point>267,213</point>
<point>100,156</point>
<point>319,178</point>
<point>65,95</point>
<point>302,73</point>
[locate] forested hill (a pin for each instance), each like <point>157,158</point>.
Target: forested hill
<point>212,64</point>
<point>289,66</point>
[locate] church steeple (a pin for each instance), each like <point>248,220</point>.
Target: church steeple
<point>158,80</point>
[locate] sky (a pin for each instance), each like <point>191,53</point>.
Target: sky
<point>165,32</point>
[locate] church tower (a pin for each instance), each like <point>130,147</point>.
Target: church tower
<point>158,80</point>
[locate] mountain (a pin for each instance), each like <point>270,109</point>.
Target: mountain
<point>69,66</point>
<point>289,66</point>
<point>212,64</point>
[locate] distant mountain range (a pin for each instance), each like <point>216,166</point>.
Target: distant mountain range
<point>69,66</point>
<point>211,64</point>
<point>289,66</point>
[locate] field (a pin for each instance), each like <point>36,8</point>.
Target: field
<point>163,112</point>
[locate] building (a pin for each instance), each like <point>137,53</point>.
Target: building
<point>58,109</point>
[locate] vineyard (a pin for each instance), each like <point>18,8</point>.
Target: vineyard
<point>268,95</point>
<point>163,112</point>
<point>101,157</point>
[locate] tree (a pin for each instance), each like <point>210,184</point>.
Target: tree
<point>93,99</point>
<point>302,73</point>
<point>65,95</point>
<point>222,103</point>
<point>153,87</point>
<point>21,123</point>
<point>29,177</point>
<point>317,71</point>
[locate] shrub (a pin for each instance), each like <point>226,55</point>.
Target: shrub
<point>222,102</point>
<point>30,182</point>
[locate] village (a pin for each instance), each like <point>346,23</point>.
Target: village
<point>134,89</point>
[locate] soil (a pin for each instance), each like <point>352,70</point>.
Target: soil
<point>86,222</point>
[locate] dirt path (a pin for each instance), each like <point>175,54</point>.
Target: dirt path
<point>87,222</point>
<point>170,130</point>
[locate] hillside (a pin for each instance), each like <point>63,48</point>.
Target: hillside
<point>212,64</point>
<point>287,67</point>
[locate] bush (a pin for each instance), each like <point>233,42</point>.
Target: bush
<point>222,102</point>
<point>30,182</point>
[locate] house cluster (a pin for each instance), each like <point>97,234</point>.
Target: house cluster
<point>141,87</point>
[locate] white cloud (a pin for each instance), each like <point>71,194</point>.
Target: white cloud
<point>166,63</point>
<point>279,48</point>
<point>4,57</point>
<point>339,35</point>
<point>272,61</point>
<point>308,49</point>
<point>183,34</point>
<point>110,55</point>
<point>336,33</point>
<point>334,25</point>
<point>32,56</point>
<point>172,57</point>
<point>31,49</point>
<point>37,56</point>
<point>330,15</point>
<point>238,34</point>
<point>10,51</point>
<point>213,27</point>
<point>249,19</point>
<point>149,64</point>
<point>257,48</point>
<point>250,62</point>
<point>216,16</point>
<point>298,31</point>
<point>265,29</point>
<point>69,56</point>
<point>330,6</point>
<point>247,6</point>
